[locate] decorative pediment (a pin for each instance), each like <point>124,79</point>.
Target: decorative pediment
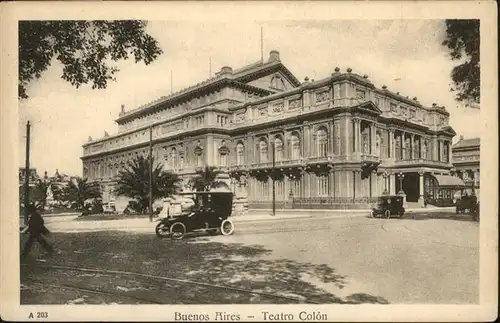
<point>369,106</point>
<point>448,130</point>
<point>223,150</point>
<point>198,150</point>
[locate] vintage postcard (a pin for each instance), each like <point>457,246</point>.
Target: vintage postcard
<point>249,161</point>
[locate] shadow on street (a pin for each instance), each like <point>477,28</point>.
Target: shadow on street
<point>196,259</point>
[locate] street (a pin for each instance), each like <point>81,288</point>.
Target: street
<point>354,259</point>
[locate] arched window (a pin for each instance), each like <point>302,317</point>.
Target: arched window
<point>445,152</point>
<point>398,147</point>
<point>181,161</point>
<point>173,158</point>
<point>294,146</point>
<point>263,151</point>
<point>322,142</point>
<point>278,148</point>
<point>365,143</point>
<point>240,154</point>
<point>383,144</point>
<point>407,148</point>
<point>416,149</point>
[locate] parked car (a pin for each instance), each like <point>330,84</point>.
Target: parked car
<point>466,204</point>
<point>387,206</point>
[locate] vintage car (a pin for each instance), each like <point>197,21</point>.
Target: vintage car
<point>210,213</point>
<point>475,213</point>
<point>387,206</point>
<point>466,204</point>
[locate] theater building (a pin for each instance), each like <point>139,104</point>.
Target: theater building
<point>330,143</point>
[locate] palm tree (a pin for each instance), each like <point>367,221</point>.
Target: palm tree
<point>206,179</point>
<point>133,182</point>
<point>80,190</point>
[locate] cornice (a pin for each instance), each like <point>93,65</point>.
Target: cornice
<point>144,144</point>
<point>188,94</point>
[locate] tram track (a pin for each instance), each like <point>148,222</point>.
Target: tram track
<point>158,278</point>
<point>93,291</point>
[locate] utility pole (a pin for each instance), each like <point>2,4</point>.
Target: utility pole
<point>273,176</point>
<point>150,173</point>
<point>27,174</point>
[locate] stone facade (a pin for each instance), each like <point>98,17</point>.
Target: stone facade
<point>466,161</point>
<point>336,142</point>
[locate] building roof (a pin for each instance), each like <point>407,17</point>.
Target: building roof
<point>463,143</point>
<point>449,181</point>
<point>238,77</point>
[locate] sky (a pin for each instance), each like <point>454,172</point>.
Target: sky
<point>405,55</point>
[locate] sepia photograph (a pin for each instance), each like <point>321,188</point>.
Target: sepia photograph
<point>275,159</point>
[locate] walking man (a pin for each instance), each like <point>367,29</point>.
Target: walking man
<point>35,229</point>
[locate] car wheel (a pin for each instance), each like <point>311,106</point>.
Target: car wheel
<point>162,230</point>
<point>227,227</point>
<point>457,210</point>
<point>387,214</point>
<point>177,231</point>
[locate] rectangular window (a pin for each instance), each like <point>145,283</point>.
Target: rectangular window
<point>323,185</point>
<point>360,94</point>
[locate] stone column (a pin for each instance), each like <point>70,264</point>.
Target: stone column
<point>391,144</point>
<point>421,188</point>
<point>331,182</point>
<point>374,188</point>
<point>449,153</point>
<point>330,137</point>
<point>355,135</point>
<point>392,184</point>
<point>373,141</point>
<point>359,148</point>
<point>403,145</point>
<point>435,149</point>
<point>412,149</point>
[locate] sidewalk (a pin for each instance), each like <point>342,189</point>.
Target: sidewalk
<point>144,225</point>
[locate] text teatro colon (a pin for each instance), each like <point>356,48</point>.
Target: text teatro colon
<point>338,142</point>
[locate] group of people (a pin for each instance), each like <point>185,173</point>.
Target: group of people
<point>35,229</point>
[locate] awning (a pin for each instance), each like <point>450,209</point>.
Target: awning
<point>449,181</point>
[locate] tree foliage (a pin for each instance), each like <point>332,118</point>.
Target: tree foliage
<point>81,189</point>
<point>206,179</point>
<point>85,49</point>
<point>463,42</point>
<point>133,182</point>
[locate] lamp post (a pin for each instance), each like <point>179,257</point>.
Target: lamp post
<point>400,177</point>
<point>385,174</point>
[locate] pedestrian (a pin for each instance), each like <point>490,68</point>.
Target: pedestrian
<point>36,229</point>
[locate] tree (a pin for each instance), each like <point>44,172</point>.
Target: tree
<point>133,182</point>
<point>85,48</point>
<point>463,42</point>
<point>80,190</point>
<point>206,179</point>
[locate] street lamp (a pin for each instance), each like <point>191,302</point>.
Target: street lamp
<point>401,176</point>
<point>385,174</point>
